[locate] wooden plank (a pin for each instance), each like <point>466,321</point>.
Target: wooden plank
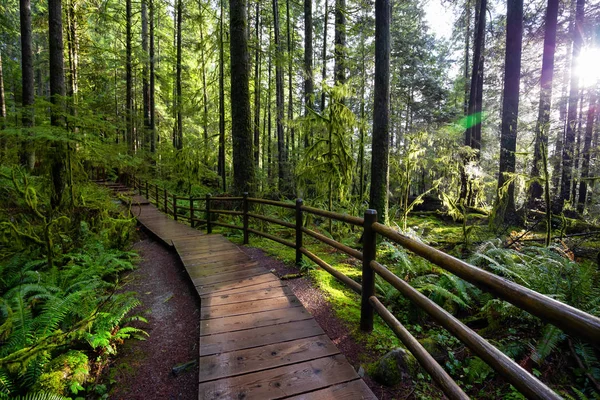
<point>281,382</point>
<point>201,249</point>
<point>256,294</point>
<point>244,288</point>
<point>197,272</point>
<point>353,390</point>
<point>256,320</point>
<point>222,263</point>
<point>216,311</point>
<point>205,288</point>
<point>246,339</point>
<point>231,276</point>
<point>260,358</point>
<point>231,254</point>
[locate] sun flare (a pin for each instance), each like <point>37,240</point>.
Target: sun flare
<point>587,66</point>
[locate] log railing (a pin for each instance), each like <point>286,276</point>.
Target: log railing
<point>565,317</point>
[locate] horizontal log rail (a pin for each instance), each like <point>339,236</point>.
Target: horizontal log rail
<point>565,317</point>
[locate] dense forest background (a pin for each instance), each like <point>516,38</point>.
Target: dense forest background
<point>484,144</point>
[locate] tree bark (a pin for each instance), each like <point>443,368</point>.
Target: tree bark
<point>241,126</point>
<point>543,121</point>
<point>308,66</point>
<point>281,148</point>
<point>204,93</point>
<point>324,56</point>
<point>145,84</point>
<point>57,93</point>
<point>569,142</point>
<point>27,153</point>
<point>510,109</point>
<point>151,93</point>
<point>221,162</point>
<point>339,68</point>
<point>257,85</point>
<point>179,134</point>
<point>290,50</point>
<point>2,113</point>
<point>587,146</point>
<point>379,162</point>
<point>129,81</point>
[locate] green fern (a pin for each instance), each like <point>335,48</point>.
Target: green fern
<point>551,338</point>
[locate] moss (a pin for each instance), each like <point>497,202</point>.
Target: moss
<point>66,374</point>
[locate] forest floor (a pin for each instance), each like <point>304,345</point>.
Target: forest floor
<point>143,369</point>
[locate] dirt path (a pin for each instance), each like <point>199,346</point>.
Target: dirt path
<point>142,369</point>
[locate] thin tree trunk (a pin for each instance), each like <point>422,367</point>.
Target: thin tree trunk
<point>129,82</point>
<point>269,119</point>
<point>363,83</point>
<point>241,126</point>
<point>308,67</point>
<point>257,85</point>
<point>324,56</point>
<point>57,93</point>
<point>510,109</point>
<point>290,114</point>
<point>569,143</point>
<point>2,113</point>
<point>381,106</point>
<point>27,154</point>
<point>221,162</point>
<point>152,82</point>
<point>543,121</point>
<point>467,45</point>
<point>204,94</point>
<point>179,143</point>
<point>145,85</point>
<point>587,145</point>
<point>577,151</point>
<point>281,155</point>
<point>339,68</point>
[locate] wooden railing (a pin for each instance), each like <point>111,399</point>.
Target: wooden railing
<point>565,317</point>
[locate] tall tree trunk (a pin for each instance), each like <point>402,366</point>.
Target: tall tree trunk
<point>221,162</point>
<point>151,93</point>
<point>27,153</point>
<point>543,121</point>
<point>257,85</point>
<point>57,93</point>
<point>467,45</point>
<point>204,93</point>
<point>2,113</point>
<point>290,115</point>
<point>308,66</point>
<point>129,81</point>
<point>569,143</point>
<point>473,127</point>
<point>577,151</point>
<point>324,56</point>
<point>339,68</point>
<point>241,126</point>
<point>269,119</point>
<point>587,146</point>
<point>381,106</point>
<point>145,84</point>
<point>73,53</point>
<point>281,148</point>
<point>363,83</point>
<point>510,109</point>
<point>179,143</point>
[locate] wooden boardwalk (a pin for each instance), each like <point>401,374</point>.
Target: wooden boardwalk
<point>257,341</point>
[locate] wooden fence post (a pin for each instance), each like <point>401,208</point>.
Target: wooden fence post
<point>175,207</point>
<point>208,224</point>
<point>165,199</point>
<point>368,276</point>
<point>191,211</point>
<point>298,231</point>
<point>245,217</point>
<point>147,195</point>
<point>140,187</point>
<point>156,192</point>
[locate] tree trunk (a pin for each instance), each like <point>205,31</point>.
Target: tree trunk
<point>152,82</point>
<point>27,153</point>
<point>577,151</point>
<point>257,89</point>
<point>179,141</point>
<point>587,145</point>
<point>2,113</point>
<point>57,93</point>
<point>269,119</point>
<point>241,127</point>
<point>145,85</point>
<point>73,53</point>
<point>290,115</point>
<point>308,67</point>
<point>339,68</point>
<point>324,56</point>
<point>569,143</point>
<point>510,110</point>
<point>379,162</point>
<point>129,82</point>
<point>543,121</point>
<point>281,148</point>
<point>467,45</point>
<point>221,162</point>
<point>204,94</point>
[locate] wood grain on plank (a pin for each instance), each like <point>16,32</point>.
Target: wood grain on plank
<point>353,390</point>
<point>204,289</point>
<point>216,311</point>
<point>256,294</point>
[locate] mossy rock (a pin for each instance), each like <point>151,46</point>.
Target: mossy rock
<point>395,367</point>
<point>433,348</point>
